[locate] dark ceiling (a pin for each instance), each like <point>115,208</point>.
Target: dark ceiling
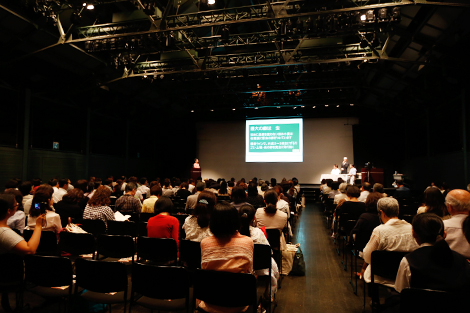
<point>237,58</point>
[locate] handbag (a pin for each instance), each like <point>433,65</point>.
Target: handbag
<point>298,265</point>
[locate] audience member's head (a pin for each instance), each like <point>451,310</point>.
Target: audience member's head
<point>63,183</point>
<point>389,207</point>
<point>246,214</point>
<point>7,202</point>
<point>156,191</point>
<point>82,184</point>
<point>73,196</point>
<point>143,180</point>
<point>378,187</point>
<point>343,187</point>
<point>131,187</point>
<point>206,201</point>
<point>101,197</point>
<point>163,205</point>
<point>366,186</point>
<point>238,195</point>
<point>18,197</point>
<point>25,188</point>
<point>458,202</point>
<point>224,222</point>
<point>435,202</point>
<point>270,198</point>
<point>11,183</point>
<point>428,228</point>
<point>42,200</point>
<point>264,187</point>
<point>323,181</point>
<point>399,183</point>
<point>371,201</point>
<point>223,188</point>
<point>353,192</point>
<point>335,185</point>
<point>200,186</point>
<point>252,189</point>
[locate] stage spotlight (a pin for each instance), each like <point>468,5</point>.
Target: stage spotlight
<point>363,17</point>
<point>396,13</point>
<point>326,105</point>
<point>370,15</point>
<point>210,2</point>
<point>383,14</point>
<point>90,7</point>
<point>314,107</point>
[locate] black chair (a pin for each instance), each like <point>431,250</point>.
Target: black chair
<point>179,204</point>
<point>122,228</point>
<point>408,218</point>
<point>104,282</point>
<point>163,288</point>
<point>159,250</point>
<point>142,229</point>
<point>384,264</point>
<point>345,232</point>
<point>77,243</point>
<point>95,227</point>
<point>190,254</point>
<point>56,283</point>
<point>144,217</point>
<point>262,260</point>
<point>414,300</point>
<point>11,280</point>
<point>274,239</point>
<point>225,289</point>
<point>47,245</point>
<point>115,246</point>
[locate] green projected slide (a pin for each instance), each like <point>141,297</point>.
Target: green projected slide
<point>274,140</point>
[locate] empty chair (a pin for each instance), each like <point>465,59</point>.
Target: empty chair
<point>163,288</point>
<point>95,227</point>
<point>190,254</point>
<point>274,238</point>
<point>225,289</point>
<point>49,284</point>
<point>142,229</point>
<point>11,279</point>
<point>262,260</point>
<point>115,246</point>
<point>161,250</point>
<point>104,282</point>
<point>144,217</point>
<point>77,243</point>
<point>414,300</point>
<point>122,228</point>
<point>48,243</point>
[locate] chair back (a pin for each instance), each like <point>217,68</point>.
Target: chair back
<point>115,246</point>
<point>99,276</point>
<point>48,243</point>
<point>122,228</point>
<point>160,282</point>
<point>190,253</point>
<point>95,227</point>
<point>36,273</point>
<point>144,217</point>
<point>142,229</point>
<point>261,257</point>
<point>239,289</point>
<point>274,238</point>
<point>386,263</point>
<point>157,249</point>
<point>77,243</point>
<point>13,277</point>
<point>414,300</point>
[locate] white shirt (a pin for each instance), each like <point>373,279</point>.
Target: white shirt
<point>335,171</point>
<point>353,171</point>
<point>363,196</point>
<point>339,197</point>
<point>283,206</point>
<point>193,231</point>
<point>455,237</point>
<point>395,235</point>
<point>58,194</point>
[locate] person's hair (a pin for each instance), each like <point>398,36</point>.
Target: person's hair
<point>63,182</point>
<point>53,182</point>
<point>435,202</point>
<point>246,214</point>
<point>378,187</point>
<point>18,196</point>
<point>156,190</point>
<point>101,197</point>
<point>366,186</point>
<point>11,183</point>
<point>231,184</point>
<point>456,204</point>
<point>399,182</point>
<point>163,204</point>
<point>323,181</point>
<point>343,187</point>
<point>154,183</point>
<point>428,227</point>
<point>278,189</point>
<point>25,188</point>
<point>273,182</point>
<point>340,180</point>
<point>130,186</point>
<point>45,188</point>
<point>202,211</point>
<point>353,191</point>
<point>7,201</point>
<point>468,187</point>
<point>96,183</point>
<point>143,180</point>
<point>107,182</point>
<point>166,182</point>
<point>74,195</point>
<point>252,189</point>
<point>389,206</point>
<point>223,188</point>
<point>466,228</point>
<point>36,181</point>
<point>270,197</point>
<point>82,184</point>
<point>238,195</point>
<point>224,221</point>
<point>264,187</point>
<point>371,201</point>
<point>200,186</point>
<point>42,197</point>
<point>295,181</point>
<point>184,185</point>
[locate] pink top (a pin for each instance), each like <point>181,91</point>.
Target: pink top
<point>196,165</point>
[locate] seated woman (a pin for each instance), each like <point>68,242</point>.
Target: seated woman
<point>434,202</point>
<point>223,191</point>
<point>196,226</point>
<point>227,250</point>
<point>98,206</point>
<point>433,265</point>
<point>163,225</point>
<point>253,197</point>
<point>17,221</point>
<point>270,217</point>
<point>69,206</point>
<point>238,197</point>
<point>43,203</point>
<point>352,205</point>
<point>247,217</point>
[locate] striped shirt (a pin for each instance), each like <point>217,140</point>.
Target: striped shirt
<point>103,213</point>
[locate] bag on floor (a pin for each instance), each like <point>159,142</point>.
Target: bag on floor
<point>288,258</point>
<point>298,265</point>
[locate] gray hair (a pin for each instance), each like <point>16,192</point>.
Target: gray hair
<point>456,204</point>
<point>389,206</point>
<point>343,187</point>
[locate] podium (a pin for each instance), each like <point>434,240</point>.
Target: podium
<point>195,173</point>
<point>372,176</point>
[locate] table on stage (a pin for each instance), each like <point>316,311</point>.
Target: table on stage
<point>335,177</point>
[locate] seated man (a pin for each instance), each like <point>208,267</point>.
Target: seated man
<point>393,235</point>
<point>401,192</point>
<point>365,190</point>
<point>433,265</point>
<point>128,203</point>
<point>458,205</point>
<point>335,170</point>
<point>149,204</point>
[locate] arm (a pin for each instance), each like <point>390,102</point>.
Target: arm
<point>31,246</point>
<point>403,276</point>
<point>175,230</point>
<point>109,214</point>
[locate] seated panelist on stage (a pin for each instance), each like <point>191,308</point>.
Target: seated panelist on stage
<point>335,170</point>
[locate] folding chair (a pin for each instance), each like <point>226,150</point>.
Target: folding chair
<point>115,246</point>
<point>144,217</point>
<point>122,228</point>
<point>160,250</point>
<point>190,254</point>
<point>77,243</point>
<point>11,280</point>
<point>261,261</point>
<point>274,239</point>
<point>48,243</point>
<point>95,227</point>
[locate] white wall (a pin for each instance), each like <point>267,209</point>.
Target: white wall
<point>221,151</point>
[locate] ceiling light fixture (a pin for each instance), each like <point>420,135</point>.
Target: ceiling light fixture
<point>210,2</point>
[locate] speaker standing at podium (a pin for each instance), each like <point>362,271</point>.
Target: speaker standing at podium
<point>345,166</point>
<point>196,164</point>
<point>196,170</point>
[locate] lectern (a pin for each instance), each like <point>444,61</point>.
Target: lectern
<point>195,173</point>
<point>372,175</point>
